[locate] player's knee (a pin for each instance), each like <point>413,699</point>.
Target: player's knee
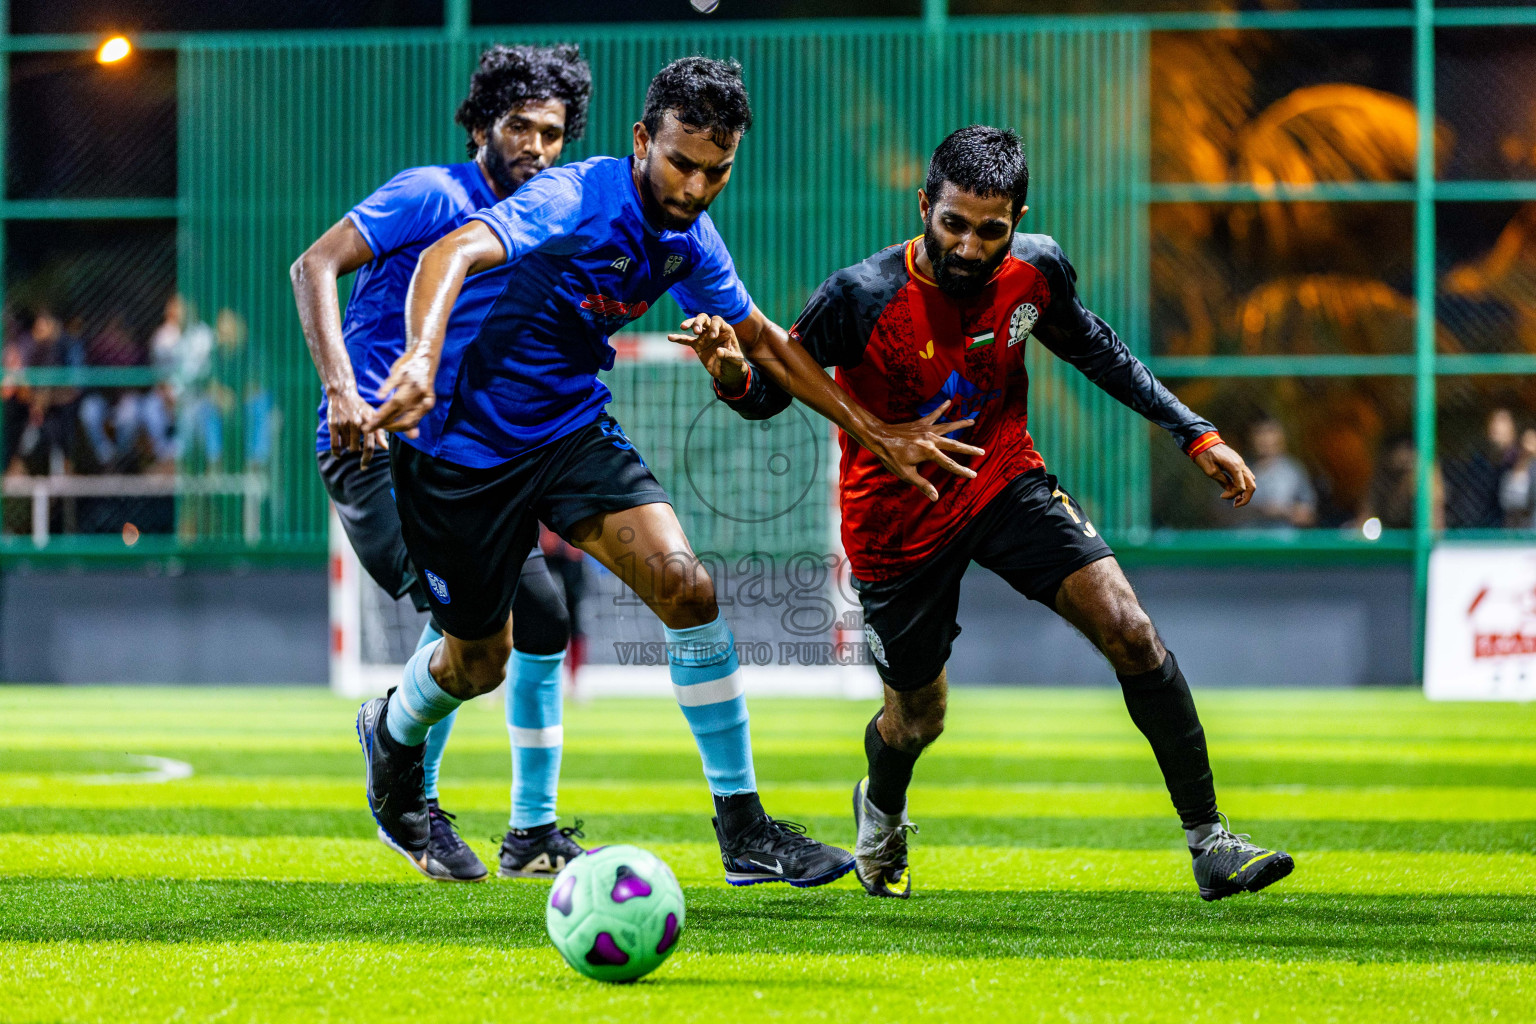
<point>916,728</point>
<point>686,599</point>
<point>546,632</point>
<point>483,665</point>
<point>1131,643</point>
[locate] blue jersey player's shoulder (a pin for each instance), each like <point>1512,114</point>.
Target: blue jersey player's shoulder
<point>561,211</point>
<point>710,284</point>
<point>419,204</point>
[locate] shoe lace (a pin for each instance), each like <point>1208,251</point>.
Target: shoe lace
<point>573,831</point>
<point>894,838</point>
<point>779,835</point>
<point>1226,839</point>
<point>443,828</point>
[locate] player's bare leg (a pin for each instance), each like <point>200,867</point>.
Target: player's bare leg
<point>1099,601</point>
<point>906,725</point>
<point>646,548</point>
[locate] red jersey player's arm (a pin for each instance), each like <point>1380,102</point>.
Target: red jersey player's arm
<point>435,287</point>
<point>338,252</point>
<point>900,447</point>
<point>1082,338</point>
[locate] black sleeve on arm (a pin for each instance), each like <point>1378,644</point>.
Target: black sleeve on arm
<point>826,330</point>
<point>1079,336</point>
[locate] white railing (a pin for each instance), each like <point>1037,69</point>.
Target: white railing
<point>43,489</point>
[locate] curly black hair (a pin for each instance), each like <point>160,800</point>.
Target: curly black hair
<point>510,76</point>
<point>704,94</point>
<point>983,161</point>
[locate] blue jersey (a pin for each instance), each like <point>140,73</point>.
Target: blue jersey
<point>411,211</point>
<point>526,340</point>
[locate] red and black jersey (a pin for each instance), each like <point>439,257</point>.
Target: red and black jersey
<point>901,348</point>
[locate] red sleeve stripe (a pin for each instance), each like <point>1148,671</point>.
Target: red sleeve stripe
<point>1206,441</point>
<point>745,387</point>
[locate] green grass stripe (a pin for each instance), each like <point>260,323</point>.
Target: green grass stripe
<point>682,763</point>
<point>777,919</point>
<point>267,982</point>
<point>609,827</point>
<point>1007,715</point>
<point>1308,803</point>
<point>676,741</point>
<point>936,866</point>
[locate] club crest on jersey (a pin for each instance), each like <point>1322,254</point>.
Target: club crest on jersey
<point>1021,323</point>
<point>674,264</point>
<point>611,314</point>
<point>439,587</point>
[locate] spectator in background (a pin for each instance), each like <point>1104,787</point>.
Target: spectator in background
<point>1285,495</point>
<point>1517,490</point>
<point>133,415</point>
<point>182,348</point>
<point>1393,491</point>
<point>1472,499</point>
<point>46,438</point>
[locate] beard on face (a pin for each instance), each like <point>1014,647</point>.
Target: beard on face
<point>959,278</point>
<point>509,175</point>
<point>668,218</point>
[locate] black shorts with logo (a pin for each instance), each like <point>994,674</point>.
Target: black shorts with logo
<point>469,530</point>
<point>1033,535</point>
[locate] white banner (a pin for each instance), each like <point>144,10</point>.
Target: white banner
<point>1480,641</point>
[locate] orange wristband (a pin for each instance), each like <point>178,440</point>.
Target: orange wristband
<point>1206,441</point>
<point>745,387</point>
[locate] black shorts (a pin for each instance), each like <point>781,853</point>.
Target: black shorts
<point>365,503</point>
<point>1033,535</point>
<point>469,530</point>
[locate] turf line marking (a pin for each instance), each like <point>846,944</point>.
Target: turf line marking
<point>161,769</point>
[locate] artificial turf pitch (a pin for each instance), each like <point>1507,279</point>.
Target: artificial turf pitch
<point>1051,883</point>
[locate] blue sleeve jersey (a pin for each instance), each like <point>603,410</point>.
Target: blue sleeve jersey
<point>526,340</point>
<point>411,211</point>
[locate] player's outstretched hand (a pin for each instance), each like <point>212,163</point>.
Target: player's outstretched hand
<point>1222,464</point>
<point>410,380</point>
<point>347,418</point>
<point>714,342</point>
<point>902,447</point>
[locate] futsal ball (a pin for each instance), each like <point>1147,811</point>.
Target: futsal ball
<point>705,6</point>
<point>615,913</point>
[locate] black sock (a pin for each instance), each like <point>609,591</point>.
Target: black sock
<point>533,833</point>
<point>1164,711</point>
<point>890,771</point>
<point>738,813</point>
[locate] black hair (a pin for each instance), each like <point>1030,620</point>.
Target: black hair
<point>704,94</point>
<point>983,161</point>
<point>510,76</point>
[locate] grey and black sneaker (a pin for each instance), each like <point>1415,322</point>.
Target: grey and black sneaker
<point>780,851</point>
<point>880,852</point>
<point>396,789</point>
<point>1226,863</point>
<point>449,858</point>
<point>540,856</point>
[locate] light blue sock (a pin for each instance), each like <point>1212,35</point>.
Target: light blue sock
<point>437,736</point>
<point>538,738</point>
<point>708,688</point>
<point>419,703</point>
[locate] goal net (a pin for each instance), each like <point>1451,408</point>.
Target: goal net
<point>758,501</point>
